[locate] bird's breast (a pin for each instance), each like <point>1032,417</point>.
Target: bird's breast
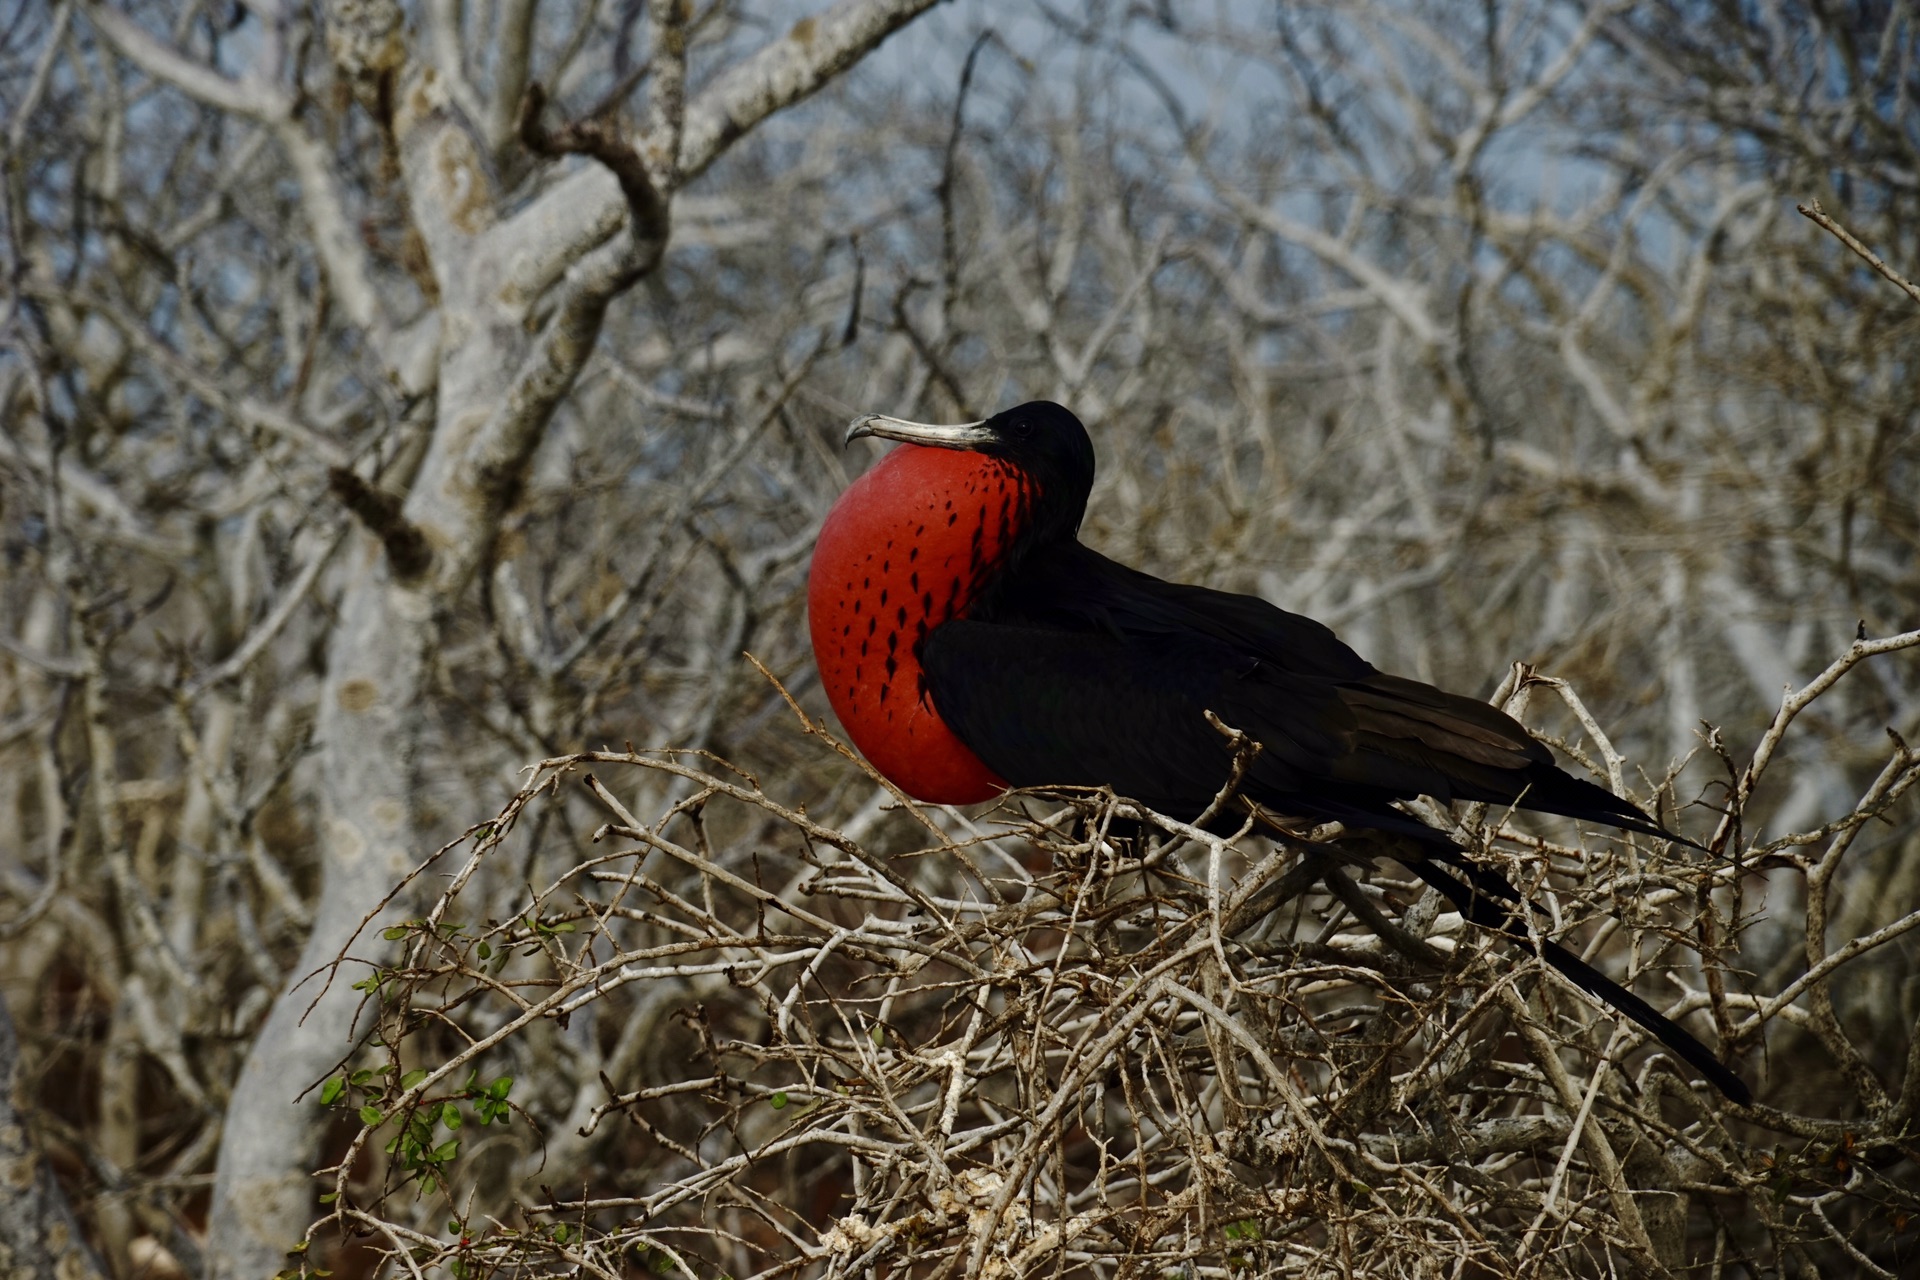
<point>907,547</point>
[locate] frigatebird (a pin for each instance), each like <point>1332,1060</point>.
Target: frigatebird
<point>969,642</point>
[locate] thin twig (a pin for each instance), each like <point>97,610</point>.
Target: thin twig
<point>1821,218</point>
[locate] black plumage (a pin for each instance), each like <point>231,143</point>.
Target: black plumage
<point>1067,669</point>
<point>1075,670</point>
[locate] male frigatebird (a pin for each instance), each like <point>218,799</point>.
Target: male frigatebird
<point>970,643</point>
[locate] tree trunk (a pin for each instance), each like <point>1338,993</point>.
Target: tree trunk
<point>497,385</point>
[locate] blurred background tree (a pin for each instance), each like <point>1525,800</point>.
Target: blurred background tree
<point>371,430</point>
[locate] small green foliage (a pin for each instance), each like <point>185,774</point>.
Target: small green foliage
<point>1245,1229</point>
<point>425,1145</point>
<point>562,1232</point>
<point>490,1104</point>
<point>420,1150</point>
<point>778,1101</point>
<point>485,952</point>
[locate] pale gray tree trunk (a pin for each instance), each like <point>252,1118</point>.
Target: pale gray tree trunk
<point>497,383</point>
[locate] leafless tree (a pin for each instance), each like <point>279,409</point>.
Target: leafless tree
<point>394,396</point>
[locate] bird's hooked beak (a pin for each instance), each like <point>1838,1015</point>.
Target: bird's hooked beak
<point>964,435</point>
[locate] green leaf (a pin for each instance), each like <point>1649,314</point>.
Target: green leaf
<point>500,1088</point>
<point>562,1232</point>
<point>394,934</point>
<point>450,1116</point>
<point>878,1035</point>
<point>565,926</point>
<point>328,1197</point>
<point>428,1185</point>
<point>779,1100</point>
<point>446,1151</point>
<point>330,1091</point>
<point>369,1114</point>
<point>413,1078</point>
<point>486,952</point>
<point>361,1077</point>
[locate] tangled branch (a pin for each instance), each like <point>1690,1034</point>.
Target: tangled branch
<point>1074,1034</point>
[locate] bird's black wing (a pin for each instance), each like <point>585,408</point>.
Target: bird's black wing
<point>1351,733</point>
<point>1042,706</point>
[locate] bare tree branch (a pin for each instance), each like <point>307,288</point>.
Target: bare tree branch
<point>1827,223</point>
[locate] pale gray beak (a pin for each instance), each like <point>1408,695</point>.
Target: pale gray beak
<point>964,435</point>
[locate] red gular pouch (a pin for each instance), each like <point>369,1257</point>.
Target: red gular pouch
<point>908,547</point>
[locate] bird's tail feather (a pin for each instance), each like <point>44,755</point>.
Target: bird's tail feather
<point>1487,901</point>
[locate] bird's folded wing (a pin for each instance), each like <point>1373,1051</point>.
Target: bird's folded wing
<point>1043,706</point>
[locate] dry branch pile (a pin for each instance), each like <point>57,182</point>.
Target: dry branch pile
<point>1075,1037</point>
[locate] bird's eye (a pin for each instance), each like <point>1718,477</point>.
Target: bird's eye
<point>1022,429</point>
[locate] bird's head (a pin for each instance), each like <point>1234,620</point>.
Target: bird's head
<point>1040,439</point>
